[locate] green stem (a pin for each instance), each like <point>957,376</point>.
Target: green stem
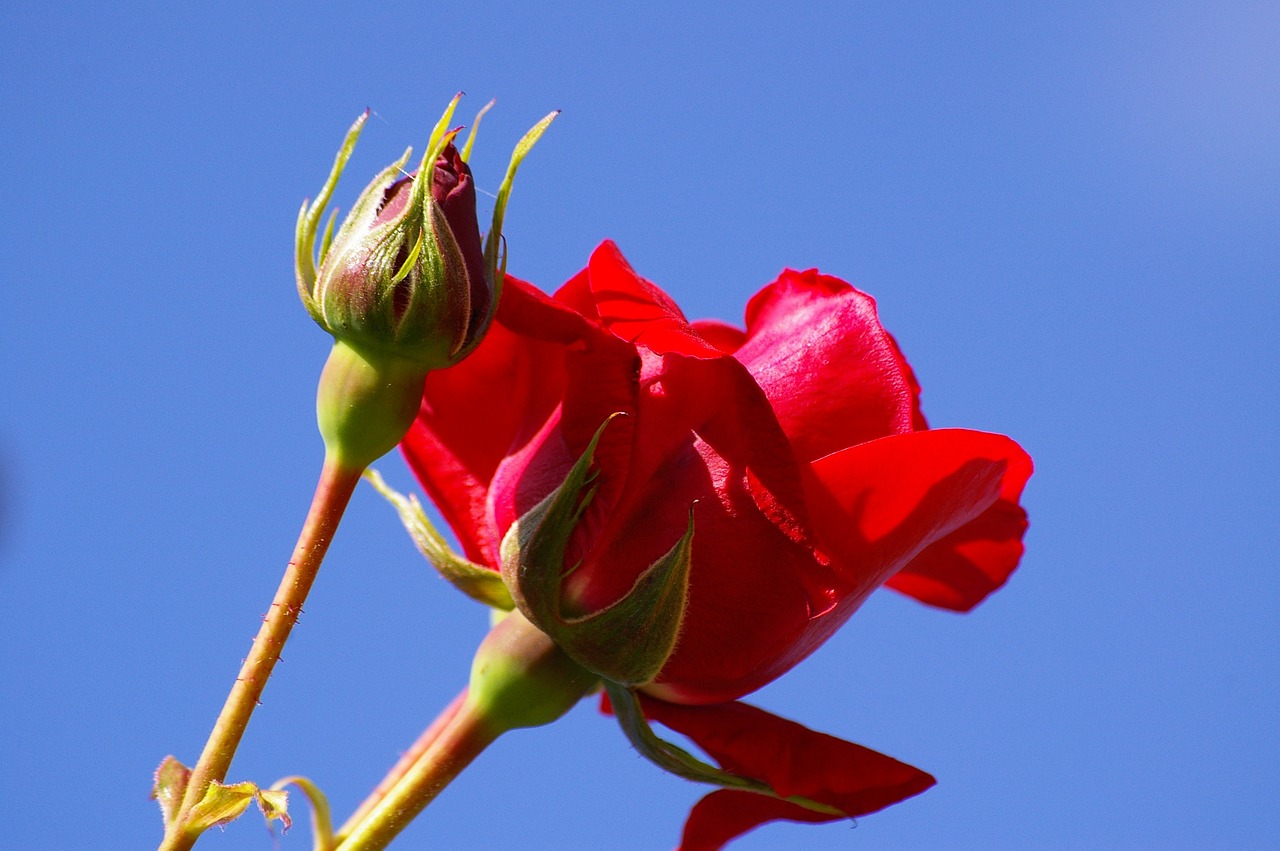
<point>463,738</point>
<point>337,483</point>
<point>401,768</point>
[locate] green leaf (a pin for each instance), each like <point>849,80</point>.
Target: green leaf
<point>321,817</point>
<point>274,804</point>
<point>476,581</point>
<point>170,785</point>
<point>220,805</point>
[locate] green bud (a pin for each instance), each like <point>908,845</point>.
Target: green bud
<point>520,678</point>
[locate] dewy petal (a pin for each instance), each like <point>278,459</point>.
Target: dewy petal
<point>832,373</point>
<point>959,571</point>
<point>794,760</point>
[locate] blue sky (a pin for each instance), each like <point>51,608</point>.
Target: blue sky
<point>1069,216</point>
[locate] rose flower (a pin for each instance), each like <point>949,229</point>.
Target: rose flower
<point>799,447</point>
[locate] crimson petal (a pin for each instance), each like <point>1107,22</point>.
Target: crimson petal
<point>959,571</point>
<point>831,372</point>
<point>636,310</point>
<point>878,505</point>
<point>471,416</point>
<point>794,760</point>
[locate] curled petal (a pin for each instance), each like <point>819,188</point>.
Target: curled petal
<point>632,308</point>
<point>879,505</point>
<point>722,335</point>
<point>959,571</point>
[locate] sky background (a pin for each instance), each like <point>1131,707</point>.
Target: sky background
<point>1070,217</point>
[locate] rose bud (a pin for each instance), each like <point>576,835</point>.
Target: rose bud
<point>406,286</point>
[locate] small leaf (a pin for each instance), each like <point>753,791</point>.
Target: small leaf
<point>220,805</point>
<point>170,785</point>
<point>321,817</point>
<point>274,804</point>
<point>476,581</point>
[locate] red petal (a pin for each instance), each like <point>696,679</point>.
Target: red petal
<point>832,373</point>
<point>962,569</point>
<point>878,505</point>
<point>638,311</point>
<point>725,337</point>
<point>725,815</point>
<point>794,760</point>
<point>472,414</point>
<point>478,417</point>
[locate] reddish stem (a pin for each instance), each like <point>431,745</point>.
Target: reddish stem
<point>333,492</point>
<point>461,739</point>
<point>401,768</point>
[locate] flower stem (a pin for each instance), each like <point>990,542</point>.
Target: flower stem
<point>333,492</point>
<point>461,739</point>
<point>401,768</point>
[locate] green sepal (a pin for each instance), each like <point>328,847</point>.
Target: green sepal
<point>170,785</point>
<point>274,805</point>
<point>477,582</point>
<point>676,760</point>
<point>309,216</point>
<point>626,642</point>
<point>222,804</point>
<point>475,127</point>
<point>494,267</point>
<point>321,815</point>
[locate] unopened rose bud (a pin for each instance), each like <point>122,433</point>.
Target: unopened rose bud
<point>405,286</point>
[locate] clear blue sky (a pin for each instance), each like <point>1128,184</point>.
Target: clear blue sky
<point>1070,215</point>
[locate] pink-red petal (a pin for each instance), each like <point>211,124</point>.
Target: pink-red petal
<point>832,373</point>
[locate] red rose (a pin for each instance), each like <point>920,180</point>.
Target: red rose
<point>800,446</point>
